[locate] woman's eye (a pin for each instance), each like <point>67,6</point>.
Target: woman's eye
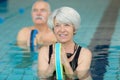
<point>66,25</point>
<point>57,25</point>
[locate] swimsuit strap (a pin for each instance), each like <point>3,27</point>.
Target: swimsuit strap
<point>74,62</point>
<point>50,52</point>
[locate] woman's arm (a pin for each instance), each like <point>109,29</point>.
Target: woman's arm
<point>68,70</point>
<point>84,63</point>
<point>45,70</point>
<point>23,38</point>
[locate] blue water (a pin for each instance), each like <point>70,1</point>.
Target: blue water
<point>18,64</point>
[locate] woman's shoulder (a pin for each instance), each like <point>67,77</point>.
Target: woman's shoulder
<point>44,48</point>
<point>86,52</point>
<point>83,49</point>
<point>43,51</point>
<point>85,56</point>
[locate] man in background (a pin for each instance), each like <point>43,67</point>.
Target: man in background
<point>39,33</point>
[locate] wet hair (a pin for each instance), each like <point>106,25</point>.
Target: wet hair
<point>65,15</point>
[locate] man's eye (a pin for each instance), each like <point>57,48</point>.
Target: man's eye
<point>44,10</point>
<point>35,10</point>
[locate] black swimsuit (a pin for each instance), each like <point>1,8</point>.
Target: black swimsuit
<point>73,63</point>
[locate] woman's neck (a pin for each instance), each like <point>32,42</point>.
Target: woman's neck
<point>69,47</point>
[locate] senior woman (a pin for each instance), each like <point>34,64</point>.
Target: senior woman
<point>75,59</point>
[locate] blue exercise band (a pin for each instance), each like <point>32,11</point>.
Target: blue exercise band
<point>32,38</point>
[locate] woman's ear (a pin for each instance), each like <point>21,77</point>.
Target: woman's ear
<point>74,31</point>
<point>53,29</point>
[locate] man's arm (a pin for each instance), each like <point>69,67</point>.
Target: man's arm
<point>23,38</point>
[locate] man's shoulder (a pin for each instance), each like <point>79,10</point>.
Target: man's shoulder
<point>50,32</point>
<point>25,29</point>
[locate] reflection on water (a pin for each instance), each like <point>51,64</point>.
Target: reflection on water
<point>3,6</point>
<point>24,60</point>
<point>101,62</point>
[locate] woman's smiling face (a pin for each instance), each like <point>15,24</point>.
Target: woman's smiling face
<point>63,31</point>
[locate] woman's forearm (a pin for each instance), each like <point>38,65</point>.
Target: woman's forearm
<point>47,73</point>
<point>68,70</point>
<point>84,75</point>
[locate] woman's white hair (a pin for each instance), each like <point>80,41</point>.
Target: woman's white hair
<point>65,15</point>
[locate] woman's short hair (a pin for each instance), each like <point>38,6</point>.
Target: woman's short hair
<point>65,15</point>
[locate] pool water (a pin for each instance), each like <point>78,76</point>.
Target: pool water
<point>99,31</point>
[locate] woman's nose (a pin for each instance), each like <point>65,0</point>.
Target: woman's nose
<point>62,28</point>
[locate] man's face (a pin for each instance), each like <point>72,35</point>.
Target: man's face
<point>40,13</point>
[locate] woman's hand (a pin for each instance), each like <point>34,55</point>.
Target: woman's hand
<point>52,61</point>
<point>64,58</point>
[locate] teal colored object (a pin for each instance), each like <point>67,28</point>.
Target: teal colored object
<point>21,10</point>
<point>1,20</point>
<point>46,0</point>
<point>59,70</point>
